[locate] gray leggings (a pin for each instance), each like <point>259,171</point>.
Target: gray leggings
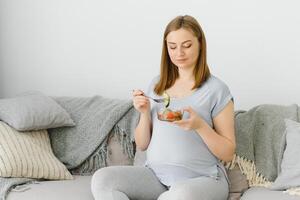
<point>140,183</point>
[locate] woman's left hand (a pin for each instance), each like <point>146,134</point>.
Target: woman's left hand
<point>192,123</point>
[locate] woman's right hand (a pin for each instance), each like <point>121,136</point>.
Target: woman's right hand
<point>140,102</point>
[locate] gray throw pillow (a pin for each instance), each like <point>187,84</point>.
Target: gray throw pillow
<point>290,165</point>
<point>33,111</point>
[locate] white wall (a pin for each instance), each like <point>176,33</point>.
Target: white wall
<point>88,47</point>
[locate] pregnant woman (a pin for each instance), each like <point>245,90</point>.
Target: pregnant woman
<point>183,155</point>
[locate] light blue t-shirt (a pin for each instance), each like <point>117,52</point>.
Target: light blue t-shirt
<point>175,154</point>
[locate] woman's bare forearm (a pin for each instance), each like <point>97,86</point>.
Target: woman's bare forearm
<point>143,132</point>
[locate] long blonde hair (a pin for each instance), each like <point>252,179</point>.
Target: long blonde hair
<point>168,71</point>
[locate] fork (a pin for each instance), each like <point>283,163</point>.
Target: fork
<point>156,100</point>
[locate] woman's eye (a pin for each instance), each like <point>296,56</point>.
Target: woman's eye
<point>187,46</point>
<point>172,47</point>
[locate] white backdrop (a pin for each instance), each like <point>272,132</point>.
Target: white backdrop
<point>97,47</point>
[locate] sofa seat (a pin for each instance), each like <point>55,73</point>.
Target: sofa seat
<point>261,193</point>
<point>77,189</point>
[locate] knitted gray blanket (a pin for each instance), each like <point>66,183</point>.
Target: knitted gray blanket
<point>83,148</point>
<point>260,139</point>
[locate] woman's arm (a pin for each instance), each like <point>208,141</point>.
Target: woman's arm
<point>221,139</point>
<point>143,132</point>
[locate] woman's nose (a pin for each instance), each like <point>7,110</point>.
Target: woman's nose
<point>180,51</point>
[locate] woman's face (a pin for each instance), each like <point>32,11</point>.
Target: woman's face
<point>183,48</point>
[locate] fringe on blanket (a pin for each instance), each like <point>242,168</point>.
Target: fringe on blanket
<point>248,168</point>
<point>254,178</point>
<point>125,141</point>
<point>98,159</point>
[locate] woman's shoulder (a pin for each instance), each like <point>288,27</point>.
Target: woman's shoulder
<point>152,84</point>
<point>214,83</point>
<point>155,80</point>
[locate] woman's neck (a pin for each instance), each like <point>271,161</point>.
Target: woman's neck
<point>186,75</point>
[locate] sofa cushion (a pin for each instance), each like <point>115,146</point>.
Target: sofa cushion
<point>290,166</point>
<point>33,111</point>
<point>77,189</point>
<point>115,153</point>
<point>238,181</point>
<point>28,155</point>
<point>261,193</point>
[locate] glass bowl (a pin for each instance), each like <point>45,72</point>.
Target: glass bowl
<point>166,114</point>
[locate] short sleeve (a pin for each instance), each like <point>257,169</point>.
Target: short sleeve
<point>220,96</point>
<point>150,89</point>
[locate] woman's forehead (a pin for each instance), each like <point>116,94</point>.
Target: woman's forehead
<point>179,36</point>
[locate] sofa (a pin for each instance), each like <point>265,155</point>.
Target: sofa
<point>80,186</point>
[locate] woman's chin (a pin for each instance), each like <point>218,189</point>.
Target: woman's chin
<point>183,66</point>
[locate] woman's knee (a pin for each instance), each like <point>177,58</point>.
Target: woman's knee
<point>190,192</point>
<point>178,193</point>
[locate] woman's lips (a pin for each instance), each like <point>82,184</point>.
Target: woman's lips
<point>181,60</point>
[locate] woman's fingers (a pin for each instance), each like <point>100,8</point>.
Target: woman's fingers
<point>180,122</point>
<point>141,102</point>
<point>138,96</point>
<point>137,92</point>
<point>141,98</point>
